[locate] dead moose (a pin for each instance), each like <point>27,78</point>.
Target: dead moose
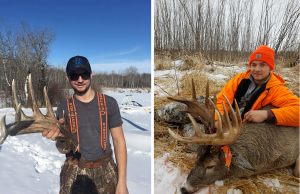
<point>255,147</point>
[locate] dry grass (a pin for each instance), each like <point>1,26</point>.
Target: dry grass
<point>291,73</point>
<point>200,80</point>
<point>181,155</point>
<point>163,63</point>
<point>260,183</point>
<point>188,63</point>
<point>168,84</point>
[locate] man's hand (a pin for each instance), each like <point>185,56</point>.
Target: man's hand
<point>121,189</point>
<point>256,116</point>
<point>54,132</point>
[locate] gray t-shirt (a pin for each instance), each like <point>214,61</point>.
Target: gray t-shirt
<point>89,124</point>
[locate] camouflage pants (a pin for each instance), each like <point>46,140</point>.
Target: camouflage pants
<point>74,180</point>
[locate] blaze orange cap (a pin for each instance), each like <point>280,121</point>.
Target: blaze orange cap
<point>265,54</point>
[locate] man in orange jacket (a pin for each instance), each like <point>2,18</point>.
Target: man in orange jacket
<point>258,87</point>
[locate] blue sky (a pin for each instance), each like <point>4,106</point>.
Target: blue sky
<point>112,34</point>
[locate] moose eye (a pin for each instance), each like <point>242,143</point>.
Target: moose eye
<point>209,167</point>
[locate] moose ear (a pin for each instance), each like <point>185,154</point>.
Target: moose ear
<point>240,161</point>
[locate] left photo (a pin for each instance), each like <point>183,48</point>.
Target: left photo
<point>75,97</point>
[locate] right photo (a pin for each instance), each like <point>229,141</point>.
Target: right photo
<point>226,96</point>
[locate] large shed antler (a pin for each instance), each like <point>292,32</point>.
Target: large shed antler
<point>37,122</point>
<point>229,135</point>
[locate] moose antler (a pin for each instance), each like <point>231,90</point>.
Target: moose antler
<point>230,133</point>
<point>37,122</point>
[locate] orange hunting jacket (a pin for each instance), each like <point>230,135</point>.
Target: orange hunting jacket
<point>279,96</point>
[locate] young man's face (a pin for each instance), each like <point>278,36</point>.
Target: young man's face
<point>260,71</point>
<point>80,80</point>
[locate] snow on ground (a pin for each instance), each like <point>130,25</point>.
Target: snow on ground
<point>217,74</point>
<point>31,163</point>
<point>178,62</point>
<point>168,179</point>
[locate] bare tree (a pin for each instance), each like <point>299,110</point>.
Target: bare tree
<point>225,30</point>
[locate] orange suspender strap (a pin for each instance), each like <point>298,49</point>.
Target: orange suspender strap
<point>61,189</point>
<point>73,118</point>
<point>228,156</point>
<point>103,119</point>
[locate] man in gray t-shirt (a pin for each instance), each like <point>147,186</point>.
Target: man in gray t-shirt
<point>90,146</point>
<point>91,169</point>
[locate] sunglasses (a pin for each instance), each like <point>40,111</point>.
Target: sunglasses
<point>75,76</point>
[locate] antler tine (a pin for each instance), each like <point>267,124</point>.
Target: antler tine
<point>50,112</point>
<point>197,129</point>
<point>193,90</point>
<point>195,138</point>
<point>206,124</point>
<point>207,95</point>
<point>13,88</point>
<point>18,115</point>
<point>15,101</point>
<point>6,129</point>
<point>238,114</point>
<point>216,108</point>
<point>219,132</point>
<point>215,99</point>
<point>3,130</point>
<point>35,109</point>
<point>210,106</point>
<point>233,116</point>
<point>225,120</point>
<point>227,123</point>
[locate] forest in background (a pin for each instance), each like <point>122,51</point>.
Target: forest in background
<point>24,50</point>
<point>226,31</point>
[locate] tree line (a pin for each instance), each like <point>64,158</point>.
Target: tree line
<point>24,50</point>
<point>224,30</point>
<point>128,78</point>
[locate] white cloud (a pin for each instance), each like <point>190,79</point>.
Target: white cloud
<point>115,54</point>
<point>131,51</point>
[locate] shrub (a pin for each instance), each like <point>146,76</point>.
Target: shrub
<point>56,94</point>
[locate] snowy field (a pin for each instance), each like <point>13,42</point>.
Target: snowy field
<point>31,163</point>
<point>217,75</point>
